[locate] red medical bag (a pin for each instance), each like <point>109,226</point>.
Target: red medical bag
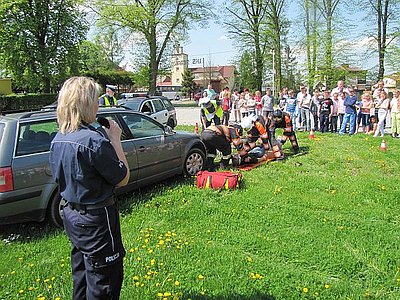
<point>218,180</point>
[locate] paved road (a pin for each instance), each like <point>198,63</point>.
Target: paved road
<point>187,115</point>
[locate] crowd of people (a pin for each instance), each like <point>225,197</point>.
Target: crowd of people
<point>340,110</point>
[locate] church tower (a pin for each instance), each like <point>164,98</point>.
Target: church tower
<point>179,64</point>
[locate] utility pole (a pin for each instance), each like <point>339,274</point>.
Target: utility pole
<point>273,72</point>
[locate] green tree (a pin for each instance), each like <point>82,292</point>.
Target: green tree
<point>246,21</point>
<point>246,76</point>
<point>159,22</point>
<point>188,84</point>
<point>39,40</point>
<point>92,58</point>
<point>385,13</point>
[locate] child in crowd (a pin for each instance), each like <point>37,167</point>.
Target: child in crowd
<point>291,106</point>
<point>325,112</point>
<point>259,104</point>
<point>334,115</point>
<point>244,111</point>
<point>251,104</point>
<point>226,107</point>
<point>341,107</point>
<point>314,106</point>
<point>367,103</point>
<point>372,126</point>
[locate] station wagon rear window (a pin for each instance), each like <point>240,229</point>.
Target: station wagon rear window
<point>36,137</point>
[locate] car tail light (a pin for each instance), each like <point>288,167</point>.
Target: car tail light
<point>6,180</point>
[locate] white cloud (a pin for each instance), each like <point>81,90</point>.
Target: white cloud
<point>223,38</point>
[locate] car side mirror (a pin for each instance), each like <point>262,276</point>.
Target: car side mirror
<point>168,129</point>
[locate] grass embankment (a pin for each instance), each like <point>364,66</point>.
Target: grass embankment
<point>322,225</point>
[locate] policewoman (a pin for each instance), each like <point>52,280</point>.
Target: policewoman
<point>87,165</point>
<point>210,112</point>
<point>108,99</point>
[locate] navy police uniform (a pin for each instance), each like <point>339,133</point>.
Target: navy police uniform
<point>86,168</point>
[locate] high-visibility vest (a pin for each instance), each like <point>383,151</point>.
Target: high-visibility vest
<point>214,110</point>
<point>107,101</point>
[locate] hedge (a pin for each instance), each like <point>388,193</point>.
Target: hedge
<point>26,101</point>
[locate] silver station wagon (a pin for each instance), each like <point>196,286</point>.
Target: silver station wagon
<point>27,192</point>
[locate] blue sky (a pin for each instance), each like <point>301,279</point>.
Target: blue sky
<point>213,45</point>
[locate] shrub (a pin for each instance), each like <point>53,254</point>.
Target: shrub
<point>26,101</point>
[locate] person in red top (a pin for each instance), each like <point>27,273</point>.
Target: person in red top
<point>259,103</point>
<point>226,107</point>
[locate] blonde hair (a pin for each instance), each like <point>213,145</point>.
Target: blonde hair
<point>76,103</point>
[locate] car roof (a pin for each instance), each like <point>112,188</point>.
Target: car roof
<point>40,114</point>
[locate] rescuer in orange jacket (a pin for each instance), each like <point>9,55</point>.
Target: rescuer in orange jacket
<point>280,119</point>
<point>257,127</point>
<point>220,137</point>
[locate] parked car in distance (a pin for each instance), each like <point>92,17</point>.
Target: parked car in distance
<point>27,191</point>
<point>158,107</point>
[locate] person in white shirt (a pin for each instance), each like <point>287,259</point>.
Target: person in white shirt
<point>383,107</point>
<point>339,89</point>
<point>304,99</point>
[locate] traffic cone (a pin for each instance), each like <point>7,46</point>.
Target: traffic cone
<point>196,128</point>
<point>383,146</point>
<point>311,136</point>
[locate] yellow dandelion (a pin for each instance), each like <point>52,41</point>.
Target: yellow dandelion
<point>30,265</point>
<point>131,250</point>
<point>200,277</point>
<point>58,298</point>
<point>150,251</point>
<point>30,288</point>
<point>159,294</point>
<point>46,280</point>
<point>249,259</point>
<point>12,272</point>
<point>161,242</point>
<point>41,298</point>
<point>62,265</point>
<point>327,286</point>
<point>20,258</point>
<point>152,262</point>
<point>53,278</point>
<point>136,278</point>
<point>37,280</point>
<point>177,283</point>
<point>49,287</point>
<point>21,291</point>
<point>305,290</point>
<point>202,293</point>
<point>167,294</point>
<point>138,258</point>
<point>137,283</point>
<point>146,241</point>
<point>157,284</point>
<point>169,279</point>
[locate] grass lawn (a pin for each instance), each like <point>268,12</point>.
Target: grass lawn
<point>321,225</point>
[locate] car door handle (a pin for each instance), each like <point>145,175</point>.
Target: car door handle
<point>142,148</point>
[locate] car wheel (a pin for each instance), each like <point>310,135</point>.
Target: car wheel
<point>56,214</point>
<point>194,162</point>
<point>171,123</point>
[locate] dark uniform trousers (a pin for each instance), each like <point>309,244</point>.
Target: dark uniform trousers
<point>214,141</point>
<point>97,251</point>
